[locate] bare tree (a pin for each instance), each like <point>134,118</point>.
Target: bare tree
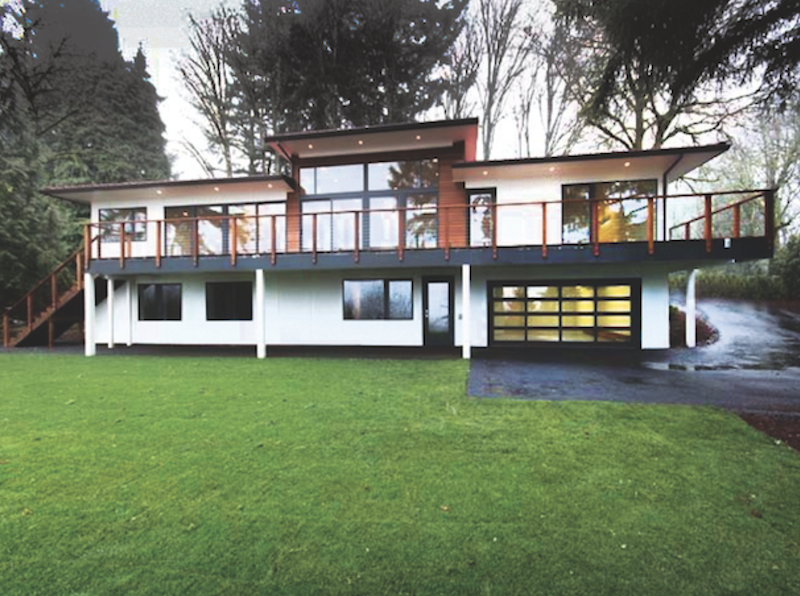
<point>463,62</point>
<point>207,77</point>
<point>505,50</point>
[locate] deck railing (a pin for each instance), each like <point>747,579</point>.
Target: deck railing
<point>543,224</point>
<point>41,302</point>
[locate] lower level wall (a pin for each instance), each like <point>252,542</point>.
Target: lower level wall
<point>304,308</point>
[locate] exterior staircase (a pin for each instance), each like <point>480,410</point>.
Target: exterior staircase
<point>54,305</point>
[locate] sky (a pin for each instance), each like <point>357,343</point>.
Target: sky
<point>161,26</point>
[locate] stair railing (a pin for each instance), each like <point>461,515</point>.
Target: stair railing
<point>44,299</point>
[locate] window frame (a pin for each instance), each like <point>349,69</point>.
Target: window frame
<point>386,299</point>
<point>492,191</point>
<point>592,195</point>
<point>403,197</point>
<point>230,300</point>
<point>161,304</point>
<point>135,230</point>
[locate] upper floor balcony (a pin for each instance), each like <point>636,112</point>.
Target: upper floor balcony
<point>422,231</point>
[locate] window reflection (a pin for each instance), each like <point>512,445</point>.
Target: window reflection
<point>621,218</point>
<point>421,221</point>
<point>480,218</point>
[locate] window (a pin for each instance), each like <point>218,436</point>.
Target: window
<point>376,299</point>
<point>214,224</point>
<point>229,301</point>
<point>481,203</point>
<point>619,220</point>
<point>159,302</point>
<point>395,201</point>
<point>135,230</point>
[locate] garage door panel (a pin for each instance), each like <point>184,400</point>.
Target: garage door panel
<point>570,312</point>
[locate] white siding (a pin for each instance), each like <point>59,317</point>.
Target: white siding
<point>305,308</point>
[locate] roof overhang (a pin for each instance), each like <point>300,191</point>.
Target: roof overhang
<point>125,191</point>
<point>669,163</point>
<point>383,138</point>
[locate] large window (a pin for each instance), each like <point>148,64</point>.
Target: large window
<point>229,301</point>
<point>211,225</point>
<point>135,229</point>
<point>159,302</point>
<point>396,200</point>
<point>572,312</point>
<point>376,299</point>
<point>619,220</point>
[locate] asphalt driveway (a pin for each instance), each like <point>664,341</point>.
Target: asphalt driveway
<point>754,367</point>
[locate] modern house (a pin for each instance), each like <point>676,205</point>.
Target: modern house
<point>396,236</point>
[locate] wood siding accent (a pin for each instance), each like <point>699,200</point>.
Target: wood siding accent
<point>455,152</point>
<point>453,214</point>
<point>293,213</point>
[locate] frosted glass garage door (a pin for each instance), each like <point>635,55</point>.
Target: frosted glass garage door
<point>596,312</point>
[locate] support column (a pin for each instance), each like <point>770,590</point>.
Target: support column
<point>129,309</point>
<point>466,324</point>
<point>260,316</point>
<point>110,306</point>
<point>691,310</point>
<point>88,313</point>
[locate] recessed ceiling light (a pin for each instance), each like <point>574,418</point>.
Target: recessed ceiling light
<point>419,137</point>
<point>159,192</point>
<point>310,146</point>
<point>269,185</point>
<point>627,164</point>
<point>486,172</point>
<point>360,142</point>
<point>216,188</point>
<point>552,168</point>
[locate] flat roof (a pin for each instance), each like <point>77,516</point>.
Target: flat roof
<point>86,193</point>
<point>377,139</point>
<point>672,162</point>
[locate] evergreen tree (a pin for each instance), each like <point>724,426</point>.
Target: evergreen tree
<point>71,110</point>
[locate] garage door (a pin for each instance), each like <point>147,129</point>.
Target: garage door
<point>599,312</point>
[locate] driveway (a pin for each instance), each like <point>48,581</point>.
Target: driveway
<point>754,367</point>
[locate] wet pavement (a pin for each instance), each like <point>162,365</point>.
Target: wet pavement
<point>754,367</point>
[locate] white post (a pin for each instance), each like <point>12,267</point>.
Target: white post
<point>261,340</point>
<point>691,311</point>
<point>88,313</point>
<point>466,326</point>
<point>129,309</point>
<point>110,306</point>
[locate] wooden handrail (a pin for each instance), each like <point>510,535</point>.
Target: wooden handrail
<point>446,233</point>
<point>46,279</point>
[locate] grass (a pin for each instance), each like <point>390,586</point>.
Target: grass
<point>202,476</point>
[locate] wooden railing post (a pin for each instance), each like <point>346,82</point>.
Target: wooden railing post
<point>54,290</point>
<point>357,237</point>
<point>401,233</point>
<point>651,225</point>
<point>707,221</point>
<point>79,269</point>
<point>446,238</point>
<point>544,230</point>
<point>87,244</point>
<point>232,227</point>
<point>687,233</point>
<point>769,218</point>
<point>29,303</point>
<point>196,240</point>
<point>314,238</point>
<point>737,220</point>
<point>6,330</point>
<point>122,245</point>
<point>158,243</point>
<point>273,241</point>
<point>595,232</point>
<point>493,211</point>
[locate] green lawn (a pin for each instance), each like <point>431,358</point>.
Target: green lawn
<point>138,475</point>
